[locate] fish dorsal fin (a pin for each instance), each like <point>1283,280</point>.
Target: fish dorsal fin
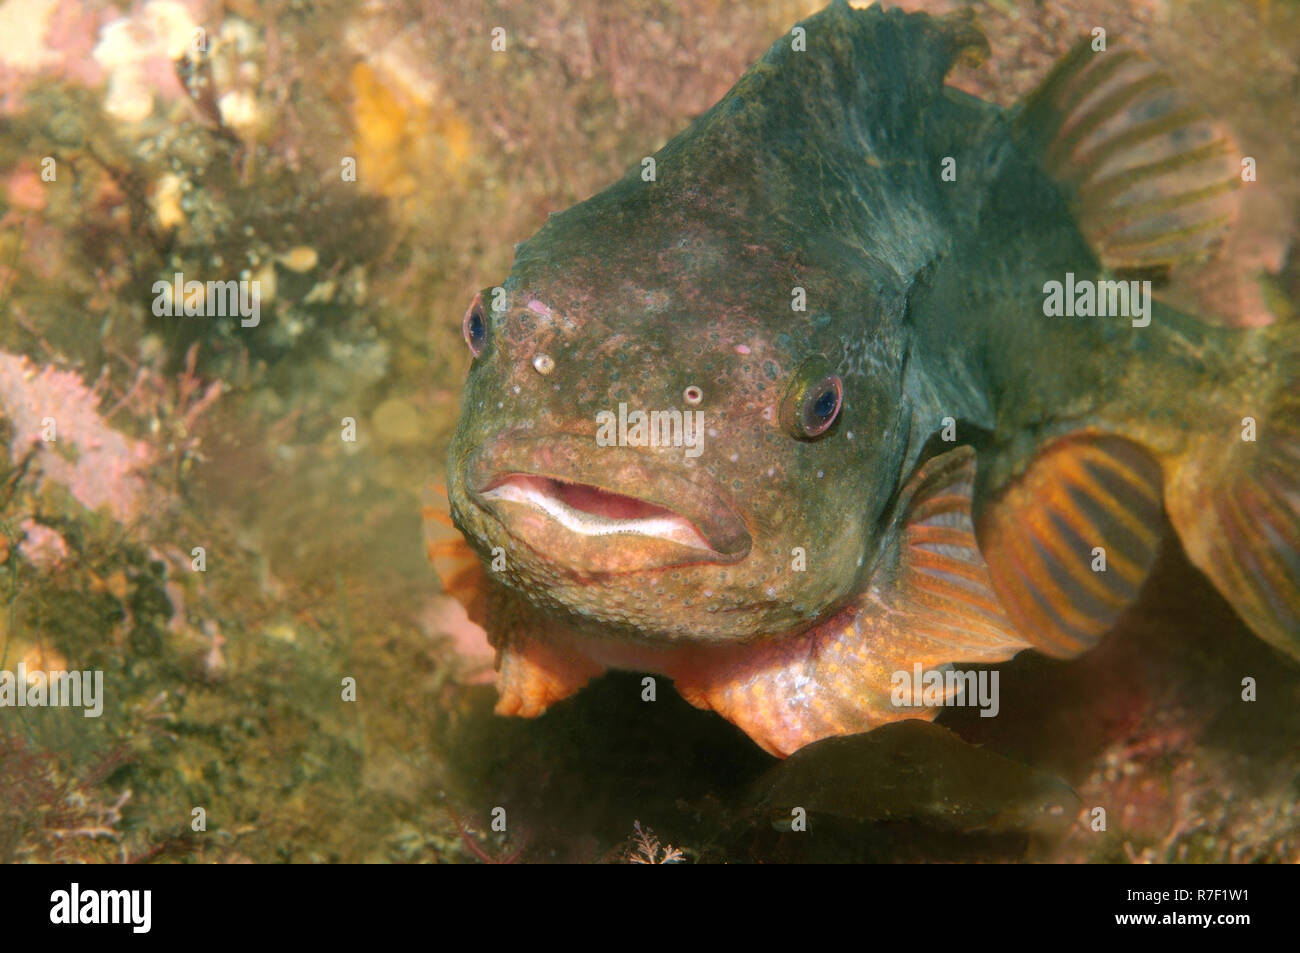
<point>1070,540</point>
<point>930,603</point>
<point>965,42</point>
<point>1151,175</point>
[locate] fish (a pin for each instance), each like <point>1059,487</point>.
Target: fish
<point>860,375</point>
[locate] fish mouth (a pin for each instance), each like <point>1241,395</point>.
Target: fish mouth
<point>602,509</point>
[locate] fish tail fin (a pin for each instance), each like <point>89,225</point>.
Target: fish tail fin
<point>1149,175</point>
<point>1234,494</point>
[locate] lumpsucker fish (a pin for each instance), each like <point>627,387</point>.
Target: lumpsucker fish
<point>861,375</point>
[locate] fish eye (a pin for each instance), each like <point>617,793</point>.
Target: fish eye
<point>813,400</point>
<point>474,327</point>
<point>822,406</point>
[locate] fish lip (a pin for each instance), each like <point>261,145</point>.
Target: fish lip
<point>507,472</point>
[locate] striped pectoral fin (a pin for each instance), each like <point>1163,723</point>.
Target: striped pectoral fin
<point>930,604</point>
<point>1071,539</point>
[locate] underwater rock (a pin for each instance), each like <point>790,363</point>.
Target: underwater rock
<point>915,771</point>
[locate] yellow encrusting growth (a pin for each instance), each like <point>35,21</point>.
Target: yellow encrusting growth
<point>404,141</point>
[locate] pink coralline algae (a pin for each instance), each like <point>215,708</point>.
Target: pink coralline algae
<point>128,47</point>
<point>98,465</point>
<point>46,39</point>
<point>41,546</point>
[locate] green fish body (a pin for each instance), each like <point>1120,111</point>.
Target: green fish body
<point>859,375</point>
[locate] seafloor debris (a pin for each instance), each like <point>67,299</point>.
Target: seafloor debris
<point>646,849</point>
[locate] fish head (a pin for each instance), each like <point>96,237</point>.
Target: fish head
<point>653,436</point>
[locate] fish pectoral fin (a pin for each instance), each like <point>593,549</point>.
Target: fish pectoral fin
<point>795,690</point>
<point>457,565</point>
<point>1151,176</point>
<point>533,674</point>
<point>931,603</point>
<point>1071,539</point>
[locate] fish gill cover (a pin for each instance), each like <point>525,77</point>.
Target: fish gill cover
<point>846,434</point>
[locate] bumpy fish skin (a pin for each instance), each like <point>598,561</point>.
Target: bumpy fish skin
<point>649,288</point>
<point>818,176</point>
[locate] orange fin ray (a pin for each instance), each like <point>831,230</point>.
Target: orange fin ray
<point>1070,541</point>
<point>535,664</point>
<point>456,564</point>
<point>533,674</point>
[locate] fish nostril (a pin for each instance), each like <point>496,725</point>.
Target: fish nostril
<point>692,395</point>
<point>543,364</point>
